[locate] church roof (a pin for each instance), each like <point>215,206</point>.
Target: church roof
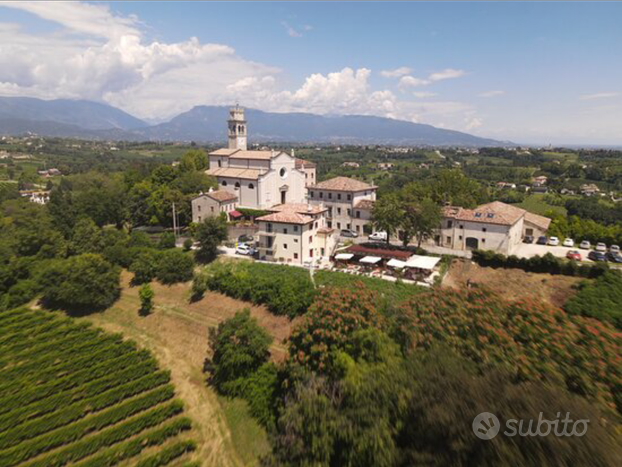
<point>231,172</point>
<point>245,154</point>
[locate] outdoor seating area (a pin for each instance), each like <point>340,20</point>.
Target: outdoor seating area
<point>387,264</point>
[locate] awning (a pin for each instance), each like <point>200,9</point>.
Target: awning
<point>370,259</point>
<point>396,263</point>
<point>422,262</point>
<point>235,214</point>
<point>344,256</point>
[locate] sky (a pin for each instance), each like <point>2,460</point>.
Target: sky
<point>532,73</point>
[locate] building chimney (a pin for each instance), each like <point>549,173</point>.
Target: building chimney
<point>293,154</point>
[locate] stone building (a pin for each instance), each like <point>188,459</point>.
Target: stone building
<point>213,203</point>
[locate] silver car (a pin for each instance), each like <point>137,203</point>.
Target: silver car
<point>601,247</point>
<point>585,245</point>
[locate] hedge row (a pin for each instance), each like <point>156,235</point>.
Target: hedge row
<point>109,437</point>
<point>134,447</point>
<point>285,290</point>
<point>80,409</point>
<point>124,355</point>
<point>165,456</point>
<point>76,431</point>
<point>124,375</point>
<point>545,264</point>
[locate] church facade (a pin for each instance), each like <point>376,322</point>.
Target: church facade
<point>259,179</point>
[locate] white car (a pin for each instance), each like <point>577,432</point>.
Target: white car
<point>553,241</point>
<point>244,249</point>
<point>378,236</point>
<point>569,242</point>
<point>615,249</point>
<point>601,247</point>
<point>585,245</point>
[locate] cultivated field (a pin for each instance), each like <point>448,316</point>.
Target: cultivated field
<point>513,284</point>
<point>176,332</point>
<point>73,394</point>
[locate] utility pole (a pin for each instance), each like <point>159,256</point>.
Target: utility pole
<point>174,222</point>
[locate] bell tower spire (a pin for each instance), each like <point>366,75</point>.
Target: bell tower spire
<point>237,128</point>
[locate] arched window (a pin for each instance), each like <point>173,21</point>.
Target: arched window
<point>224,183</point>
<point>237,184</point>
<point>251,186</point>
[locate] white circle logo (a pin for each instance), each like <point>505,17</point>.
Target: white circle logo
<point>486,425</point>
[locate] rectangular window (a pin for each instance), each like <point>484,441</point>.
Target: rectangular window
<point>448,240</point>
<point>330,196</point>
<point>349,227</point>
<point>295,228</point>
<point>349,212</point>
<point>295,255</point>
<point>321,194</point>
<point>330,224</point>
<point>199,218</point>
<point>338,225</point>
<point>449,224</point>
<point>338,195</point>
<point>349,197</point>
<point>483,240</point>
<point>285,246</point>
<point>484,229</point>
<point>358,214</point>
<point>269,228</point>
<point>460,237</point>
<point>338,210</point>
<point>311,194</point>
<point>310,238</point>
<point>212,208</point>
<point>199,208</point>
<point>316,224</point>
<point>285,230</point>
<point>311,253</point>
<point>462,226</point>
<point>269,242</point>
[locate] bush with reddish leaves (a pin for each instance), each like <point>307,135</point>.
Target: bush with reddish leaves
<point>531,339</point>
<point>329,324</point>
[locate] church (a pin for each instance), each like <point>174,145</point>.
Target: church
<point>259,179</point>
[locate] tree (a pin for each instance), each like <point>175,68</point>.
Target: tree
<point>209,234</point>
<point>167,240</point>
<point>188,244</point>
<point>240,348</point>
<point>83,283</point>
<point>145,266</point>
<point>387,215</point>
<point>420,220</point>
<point>146,295</point>
<point>174,266</point>
<point>86,237</point>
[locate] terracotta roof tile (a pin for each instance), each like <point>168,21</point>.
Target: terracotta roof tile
<point>286,217</point>
<point>539,221</point>
<point>232,172</point>
<point>300,208</point>
<point>367,204</point>
<point>491,213</point>
<point>301,162</point>
<point>343,184</point>
<point>222,195</point>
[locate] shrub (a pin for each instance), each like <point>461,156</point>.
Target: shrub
<point>601,299</point>
<point>209,234</point>
<point>145,266</point>
<point>188,244</point>
<point>81,283</point>
<point>174,266</point>
<point>167,240</point>
<point>146,299</point>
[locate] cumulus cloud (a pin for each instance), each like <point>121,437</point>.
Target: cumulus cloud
<point>599,95</point>
<point>491,94</point>
<point>396,73</point>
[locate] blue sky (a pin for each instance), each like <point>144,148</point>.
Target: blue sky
<point>528,72</point>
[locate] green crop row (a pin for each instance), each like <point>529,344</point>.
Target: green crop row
<point>167,455</point>
<point>62,399</point>
<point>109,437</point>
<point>80,409</point>
<point>30,345</point>
<point>26,326</point>
<point>134,447</point>
<point>40,330</point>
<point>116,356</point>
<point>76,431</point>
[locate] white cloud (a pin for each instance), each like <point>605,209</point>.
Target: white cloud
<point>491,94</point>
<point>599,95</point>
<point>424,94</point>
<point>293,32</point>
<point>409,81</point>
<point>472,123</point>
<point>396,73</point>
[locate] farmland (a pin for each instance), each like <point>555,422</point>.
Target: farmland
<point>72,394</point>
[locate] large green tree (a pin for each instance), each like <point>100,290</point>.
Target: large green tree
<point>387,215</point>
<point>209,234</point>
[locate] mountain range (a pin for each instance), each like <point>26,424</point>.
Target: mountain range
<point>93,120</point>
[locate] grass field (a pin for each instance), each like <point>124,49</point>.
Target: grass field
<point>535,203</point>
<point>73,394</point>
<point>176,332</point>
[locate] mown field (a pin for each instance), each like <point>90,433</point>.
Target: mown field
<point>71,394</point>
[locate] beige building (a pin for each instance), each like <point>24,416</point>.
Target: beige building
<point>308,168</point>
<point>295,233</point>
<point>212,204</point>
<point>494,226</point>
<point>349,202</point>
<point>259,179</point>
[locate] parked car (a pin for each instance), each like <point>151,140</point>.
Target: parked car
<point>553,241</point>
<point>614,249</point>
<point>542,240</point>
<point>601,247</point>
<point>245,239</point>
<point>574,254</point>
<point>597,256</point>
<point>348,233</point>
<point>569,242</point>
<point>378,236</point>
<point>246,250</point>
<point>614,257</point>
<point>528,239</point>
<point>585,245</point>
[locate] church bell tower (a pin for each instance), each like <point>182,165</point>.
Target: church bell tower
<point>237,128</point>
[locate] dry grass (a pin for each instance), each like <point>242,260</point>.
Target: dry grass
<point>176,332</point>
<point>512,284</point>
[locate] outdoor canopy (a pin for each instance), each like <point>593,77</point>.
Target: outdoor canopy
<point>396,263</point>
<point>344,256</point>
<point>370,259</point>
<point>422,262</point>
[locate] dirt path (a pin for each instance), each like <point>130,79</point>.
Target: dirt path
<point>177,334</point>
<point>512,284</point>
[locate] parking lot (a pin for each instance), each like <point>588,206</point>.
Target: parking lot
<point>528,250</point>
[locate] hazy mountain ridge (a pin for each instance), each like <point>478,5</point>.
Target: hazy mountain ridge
<point>85,119</point>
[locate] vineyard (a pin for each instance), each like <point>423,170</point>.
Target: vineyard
<point>74,395</point>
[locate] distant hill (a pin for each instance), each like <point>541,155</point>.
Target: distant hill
<point>91,120</point>
<point>84,114</point>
